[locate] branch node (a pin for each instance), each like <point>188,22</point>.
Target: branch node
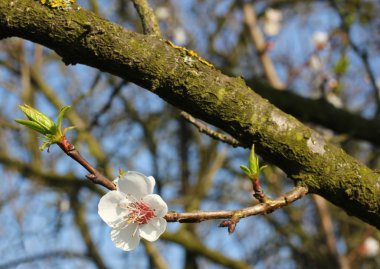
<point>230,224</point>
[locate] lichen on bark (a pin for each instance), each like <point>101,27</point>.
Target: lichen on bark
<point>63,4</point>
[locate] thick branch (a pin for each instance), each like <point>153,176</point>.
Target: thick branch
<point>189,83</point>
<point>321,112</point>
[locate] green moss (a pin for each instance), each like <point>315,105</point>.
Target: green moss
<point>299,136</point>
<point>64,4</point>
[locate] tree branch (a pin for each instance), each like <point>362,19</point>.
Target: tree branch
<point>155,256</point>
<point>203,128</point>
<point>238,214</point>
<point>321,112</point>
<point>362,54</point>
<point>48,179</point>
<point>250,19</point>
<point>148,19</point>
<point>187,82</point>
<point>95,176</point>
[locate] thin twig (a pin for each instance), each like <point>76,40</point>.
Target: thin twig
<point>250,19</point>
<point>95,176</point>
<point>235,215</point>
<point>363,55</point>
<point>148,19</point>
<point>258,192</point>
<point>107,105</point>
<point>203,128</point>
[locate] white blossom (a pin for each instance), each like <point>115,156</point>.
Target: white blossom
<point>179,36</point>
<point>64,205</point>
<point>272,23</point>
<point>133,211</point>
<point>273,14</point>
<point>272,28</point>
<point>370,247</point>
<point>320,39</point>
<point>162,13</point>
<point>334,99</point>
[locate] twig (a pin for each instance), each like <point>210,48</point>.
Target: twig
<point>234,216</point>
<point>107,105</point>
<point>337,260</point>
<point>250,19</point>
<point>203,128</point>
<point>363,55</point>
<point>148,19</point>
<point>95,176</point>
<point>258,192</point>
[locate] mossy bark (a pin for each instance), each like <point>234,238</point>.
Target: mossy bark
<point>186,82</point>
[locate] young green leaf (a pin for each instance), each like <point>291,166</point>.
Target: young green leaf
<point>263,167</point>
<point>41,119</point>
<point>60,116</point>
<point>44,125</point>
<point>32,125</point>
<point>245,169</point>
<point>253,161</point>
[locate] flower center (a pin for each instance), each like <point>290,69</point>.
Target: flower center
<point>140,213</point>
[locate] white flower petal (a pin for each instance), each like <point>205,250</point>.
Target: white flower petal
<point>153,182</point>
<point>162,13</point>
<point>156,203</point>
<point>273,15</point>
<point>320,38</point>
<point>153,229</point>
<point>371,247</point>
<point>127,238</point>
<point>272,28</point>
<point>108,207</point>
<point>135,184</point>
<point>180,36</point>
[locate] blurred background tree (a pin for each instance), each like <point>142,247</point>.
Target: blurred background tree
<point>314,59</point>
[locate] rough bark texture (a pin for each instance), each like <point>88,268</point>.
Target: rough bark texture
<point>321,112</point>
<point>186,82</point>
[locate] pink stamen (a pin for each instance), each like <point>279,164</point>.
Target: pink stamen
<point>140,212</point>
